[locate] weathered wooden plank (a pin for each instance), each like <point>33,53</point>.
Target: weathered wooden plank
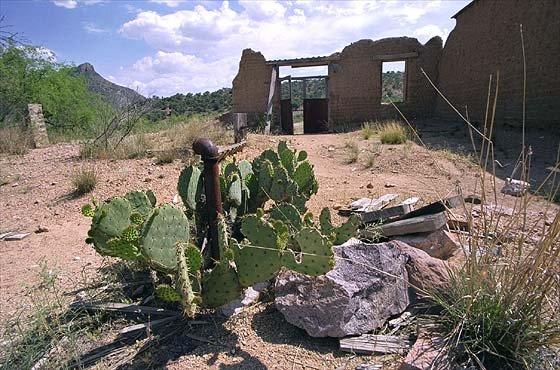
<point>147,325</point>
<point>393,57</point>
<point>125,308</point>
<point>369,344</point>
<point>436,207</point>
<point>13,236</point>
<point>418,224</point>
<point>386,213</point>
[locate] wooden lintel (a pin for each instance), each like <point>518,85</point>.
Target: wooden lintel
<point>302,78</point>
<point>395,57</point>
<point>298,63</point>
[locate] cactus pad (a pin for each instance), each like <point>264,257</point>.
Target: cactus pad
<point>109,221</point>
<point>289,214</point>
<point>316,257</point>
<point>259,258</point>
<point>130,234</point>
<point>165,227</point>
<point>220,286</point>
<point>184,285</point>
<point>117,247</point>
<point>190,187</point>
<point>139,202</point>
<point>166,293</point>
<point>88,210</point>
<point>347,230</point>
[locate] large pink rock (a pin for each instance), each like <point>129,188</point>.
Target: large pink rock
<point>440,243</point>
<point>424,272</point>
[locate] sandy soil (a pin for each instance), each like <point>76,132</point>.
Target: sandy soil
<point>39,194</point>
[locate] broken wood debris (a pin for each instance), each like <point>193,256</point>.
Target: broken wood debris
<point>370,344</point>
<point>147,325</point>
<point>436,207</point>
<point>124,308</point>
<point>13,235</point>
<point>368,204</point>
<point>386,213</point>
<point>418,224</point>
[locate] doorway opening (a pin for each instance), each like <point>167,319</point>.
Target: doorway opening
<point>393,82</point>
<point>304,100</point>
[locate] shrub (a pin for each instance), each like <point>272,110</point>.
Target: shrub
<point>368,130</point>
<point>84,181</point>
<point>352,152</point>
<point>392,133</point>
<point>14,140</point>
<point>132,147</point>
<point>165,157</point>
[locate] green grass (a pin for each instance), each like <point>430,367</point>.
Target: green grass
<point>392,133</point>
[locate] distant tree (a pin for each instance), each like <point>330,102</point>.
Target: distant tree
<point>29,75</point>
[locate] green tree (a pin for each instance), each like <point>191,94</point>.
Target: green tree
<point>29,75</point>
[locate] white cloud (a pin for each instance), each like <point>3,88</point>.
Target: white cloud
<point>199,49</point>
<point>169,3</point>
<point>68,4</point>
<point>431,30</point>
<point>91,27</point>
<point>72,4</point>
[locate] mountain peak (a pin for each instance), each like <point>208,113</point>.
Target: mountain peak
<point>118,96</point>
<point>85,67</point>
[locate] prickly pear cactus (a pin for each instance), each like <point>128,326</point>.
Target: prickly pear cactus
<point>257,259</point>
<point>167,294</point>
<point>190,187</point>
<point>287,213</point>
<point>221,285</point>
<point>341,233</point>
<point>184,284</point>
<point>315,257</point>
<point>109,221</point>
<point>165,227</point>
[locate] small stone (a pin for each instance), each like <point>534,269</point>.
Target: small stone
<point>331,149</point>
<point>336,207</point>
<point>161,176</point>
<point>54,183</point>
<point>548,222</point>
<point>36,202</point>
<point>41,229</point>
<point>147,179</point>
<point>369,186</point>
<point>14,184</point>
<point>390,185</point>
<point>76,258</point>
<point>426,353</point>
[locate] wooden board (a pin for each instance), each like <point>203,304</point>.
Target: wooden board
<point>370,344</point>
<point>436,207</point>
<point>386,213</point>
<point>420,224</point>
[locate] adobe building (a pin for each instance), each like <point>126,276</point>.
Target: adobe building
<point>486,39</point>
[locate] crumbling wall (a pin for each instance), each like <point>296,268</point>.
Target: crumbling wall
<point>486,39</point>
<point>355,80</point>
<point>252,83</point>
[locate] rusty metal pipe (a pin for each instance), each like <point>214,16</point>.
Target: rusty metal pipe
<point>209,154</point>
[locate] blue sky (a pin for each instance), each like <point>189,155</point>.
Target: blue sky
<point>163,47</point>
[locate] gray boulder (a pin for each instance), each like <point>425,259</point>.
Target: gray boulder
<point>368,284</point>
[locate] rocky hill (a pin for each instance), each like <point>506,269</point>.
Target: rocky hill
<point>117,95</point>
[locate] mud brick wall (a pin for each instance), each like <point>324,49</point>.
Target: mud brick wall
<point>355,80</point>
<point>252,83</point>
<point>485,39</point>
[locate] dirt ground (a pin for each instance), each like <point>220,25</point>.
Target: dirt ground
<point>38,193</point>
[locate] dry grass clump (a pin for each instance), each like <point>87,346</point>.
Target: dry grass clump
<point>351,152</point>
<point>84,181</point>
<point>183,135</point>
<point>165,157</point>
<point>392,133</point>
<point>368,130</point>
<point>14,140</point>
<point>132,147</point>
